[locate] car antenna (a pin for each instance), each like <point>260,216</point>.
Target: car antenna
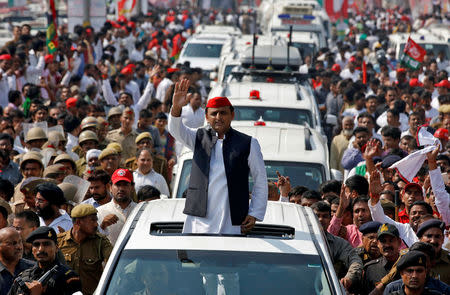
<point>288,68</point>
<point>255,42</point>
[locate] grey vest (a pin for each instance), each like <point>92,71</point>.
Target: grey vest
<point>236,149</point>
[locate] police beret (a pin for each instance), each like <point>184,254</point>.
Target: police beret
<point>430,224</point>
<point>43,232</point>
<point>142,136</point>
<point>52,193</point>
<point>107,152</point>
<point>389,160</point>
<point>426,248</point>
<point>116,146</point>
<point>369,227</point>
<point>388,229</point>
<point>83,210</point>
<point>412,258</point>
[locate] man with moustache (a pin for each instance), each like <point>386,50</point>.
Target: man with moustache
<point>99,188</point>
<point>369,249</point>
<point>389,244</point>
<point>49,198</point>
<point>112,216</point>
<point>11,261</point>
<point>84,249</point>
<point>44,248</point>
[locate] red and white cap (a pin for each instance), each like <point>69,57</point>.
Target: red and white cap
<point>122,175</point>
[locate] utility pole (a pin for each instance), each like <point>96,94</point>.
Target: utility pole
<point>86,13</point>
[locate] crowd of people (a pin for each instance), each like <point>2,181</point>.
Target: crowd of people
<point>98,109</point>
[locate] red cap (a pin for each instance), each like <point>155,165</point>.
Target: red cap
<point>352,59</point>
<point>441,133</point>
<point>412,185</point>
<point>71,102</point>
<point>172,70</point>
<point>131,66</point>
<point>122,174</point>
<point>126,71</point>
<point>414,82</point>
<point>401,70</point>
<point>48,58</point>
<point>254,94</point>
<point>336,68</point>
<point>114,24</point>
<point>131,25</point>
<point>218,102</point>
<point>443,83</point>
<point>404,18</point>
<point>5,57</point>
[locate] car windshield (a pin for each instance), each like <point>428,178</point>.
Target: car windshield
<point>429,47</point>
<point>305,49</point>
<point>270,114</point>
<point>202,50</point>
<point>199,272</point>
<point>310,175</point>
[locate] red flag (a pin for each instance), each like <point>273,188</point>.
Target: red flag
<point>414,50</point>
<point>336,9</point>
<point>364,70</point>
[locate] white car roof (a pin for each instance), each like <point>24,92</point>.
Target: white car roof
<point>272,94</point>
<point>212,29</point>
<point>208,39</point>
<point>418,38</point>
<point>278,213</point>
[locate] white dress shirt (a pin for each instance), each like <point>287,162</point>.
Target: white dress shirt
<point>407,234</point>
<point>63,221</point>
<point>218,218</point>
<point>191,118</point>
<point>162,89</point>
<point>152,178</point>
<point>112,207</point>
<point>346,74</point>
<point>441,197</point>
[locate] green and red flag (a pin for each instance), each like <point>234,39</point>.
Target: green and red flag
<point>52,33</point>
<point>413,54</point>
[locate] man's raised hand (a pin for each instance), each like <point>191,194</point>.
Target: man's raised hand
<point>180,97</point>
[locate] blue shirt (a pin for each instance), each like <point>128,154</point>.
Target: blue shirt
<point>7,279</point>
<point>11,173</point>
<point>431,284</point>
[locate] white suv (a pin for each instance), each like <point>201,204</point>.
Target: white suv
<point>285,254</point>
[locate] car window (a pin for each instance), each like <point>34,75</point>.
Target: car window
<point>205,272</point>
<point>310,175</point>
<point>269,114</point>
<point>202,50</point>
<point>430,47</point>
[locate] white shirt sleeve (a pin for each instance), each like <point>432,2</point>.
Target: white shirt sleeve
<point>163,185</point>
<point>407,234</point>
<point>441,197</point>
<point>258,202</point>
<point>66,79</point>
<point>182,133</point>
<point>108,94</point>
<point>145,98</point>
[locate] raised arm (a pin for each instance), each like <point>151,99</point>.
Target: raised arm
<point>442,198</point>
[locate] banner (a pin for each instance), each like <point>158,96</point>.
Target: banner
<point>125,8</point>
<point>52,33</point>
<point>413,54</point>
<point>336,9</point>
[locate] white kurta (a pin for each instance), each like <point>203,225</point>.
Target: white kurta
<point>218,218</point>
<point>113,231</point>
<point>152,178</point>
<point>191,118</point>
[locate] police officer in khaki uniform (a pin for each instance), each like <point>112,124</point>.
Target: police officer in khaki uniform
<point>109,160</point>
<point>144,140</point>
<point>125,135</point>
<point>369,249</point>
<point>114,117</point>
<point>87,140</point>
<point>84,249</point>
<point>68,162</point>
<point>43,246</point>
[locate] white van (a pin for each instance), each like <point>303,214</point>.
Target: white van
<point>427,41</point>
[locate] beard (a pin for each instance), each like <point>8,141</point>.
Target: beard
<point>46,212</point>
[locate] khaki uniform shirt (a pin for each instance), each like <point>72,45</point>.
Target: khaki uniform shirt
<point>127,142</point>
<point>81,166</point>
<point>86,258</point>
